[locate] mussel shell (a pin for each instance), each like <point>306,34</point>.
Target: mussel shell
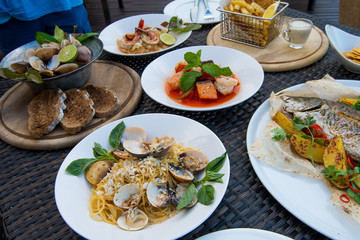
<point>132,220</point>
<point>180,173</point>
<point>158,195</point>
<point>37,63</point>
<point>124,196</point>
<point>67,67</point>
<point>136,148</point>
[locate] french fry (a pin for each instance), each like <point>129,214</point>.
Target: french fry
<point>259,11</point>
<point>243,4</point>
<point>244,11</point>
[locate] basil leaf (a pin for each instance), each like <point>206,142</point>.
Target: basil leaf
<point>216,164</point>
<point>42,37</point>
<point>101,154</point>
<point>188,79</point>
<point>187,197</point>
<point>33,76</point>
<point>84,36</point>
<point>59,34</point>
<point>116,134</point>
<point>206,194</point>
<point>78,166</point>
<point>8,74</point>
<point>213,177</point>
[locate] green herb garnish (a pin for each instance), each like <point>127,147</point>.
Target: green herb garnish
<point>279,134</point>
<point>188,79</point>
<point>78,166</point>
<point>205,194</point>
<point>176,25</point>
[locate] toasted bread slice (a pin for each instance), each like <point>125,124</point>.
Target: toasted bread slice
<point>105,101</point>
<point>79,110</point>
<point>45,111</point>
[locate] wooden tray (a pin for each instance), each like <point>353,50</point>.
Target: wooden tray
<point>13,108</point>
<point>278,56</point>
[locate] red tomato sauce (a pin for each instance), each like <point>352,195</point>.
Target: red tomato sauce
<point>193,99</point>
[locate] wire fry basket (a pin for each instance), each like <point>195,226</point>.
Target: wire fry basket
<point>251,30</point>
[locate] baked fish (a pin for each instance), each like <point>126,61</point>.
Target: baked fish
<point>335,118</point>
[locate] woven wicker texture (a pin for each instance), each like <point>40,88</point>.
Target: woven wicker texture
<point>27,203</point>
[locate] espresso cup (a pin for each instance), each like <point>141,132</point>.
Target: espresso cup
<point>297,32</point>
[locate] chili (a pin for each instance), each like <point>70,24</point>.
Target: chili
<point>350,161</point>
<point>349,184</point>
<point>318,130</point>
<point>344,198</point>
<point>347,102</point>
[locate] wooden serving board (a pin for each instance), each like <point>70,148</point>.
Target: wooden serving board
<point>277,56</point>
<point>13,108</point>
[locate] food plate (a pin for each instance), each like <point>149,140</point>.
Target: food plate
<point>248,70</point>
<point>181,8</point>
<point>243,233</point>
<point>72,193</point>
<point>117,29</point>
<point>306,198</point>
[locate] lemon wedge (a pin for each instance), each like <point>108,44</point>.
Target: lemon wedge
<point>271,10</point>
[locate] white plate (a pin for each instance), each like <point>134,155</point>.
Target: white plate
<point>248,70</point>
<point>117,29</point>
<point>306,198</point>
<point>243,233</point>
<point>72,193</point>
<point>342,41</point>
<point>181,8</point>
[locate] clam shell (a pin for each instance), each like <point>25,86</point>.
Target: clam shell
<point>180,173</point>
<point>30,53</point>
<point>47,73</point>
<point>37,63</point>
<point>158,195</point>
<point>53,63</point>
<point>132,220</point>
<point>45,53</point>
<point>136,148</point>
<point>65,43</point>
<point>20,67</point>
<point>67,67</point>
<point>134,133</point>
<point>193,160</point>
<point>127,196</point>
<point>84,54</point>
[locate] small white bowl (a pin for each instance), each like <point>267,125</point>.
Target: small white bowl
<point>342,41</point>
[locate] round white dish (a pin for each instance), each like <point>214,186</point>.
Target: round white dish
<point>248,70</point>
<point>181,8</point>
<point>306,198</point>
<point>243,233</point>
<point>72,193</point>
<point>342,41</point>
<point>117,29</point>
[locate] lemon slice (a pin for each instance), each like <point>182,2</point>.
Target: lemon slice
<point>168,39</point>
<point>271,10</point>
<point>68,54</point>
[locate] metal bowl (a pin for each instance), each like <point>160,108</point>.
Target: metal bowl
<point>73,79</point>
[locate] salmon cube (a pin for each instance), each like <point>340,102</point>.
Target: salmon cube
<point>206,90</point>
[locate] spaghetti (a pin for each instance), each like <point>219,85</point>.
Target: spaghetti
<point>137,171</point>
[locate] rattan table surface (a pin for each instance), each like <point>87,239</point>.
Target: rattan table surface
<point>27,178</point>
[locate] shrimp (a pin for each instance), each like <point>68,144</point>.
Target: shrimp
<point>149,39</point>
<point>128,40</point>
<point>174,80</point>
<point>225,84</point>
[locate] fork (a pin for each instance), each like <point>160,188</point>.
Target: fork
<point>208,15</point>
